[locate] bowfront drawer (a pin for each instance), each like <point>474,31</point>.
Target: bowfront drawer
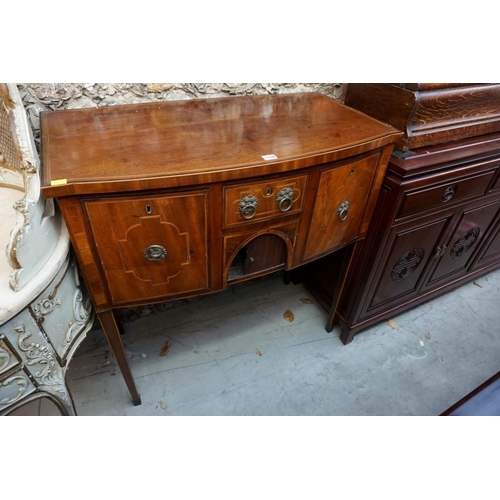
<point>445,193</point>
<point>263,200</point>
<point>339,204</point>
<point>152,246</point>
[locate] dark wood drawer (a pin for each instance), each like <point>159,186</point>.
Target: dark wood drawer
<point>445,193</point>
<point>258,201</point>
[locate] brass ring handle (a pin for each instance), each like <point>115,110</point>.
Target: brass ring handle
<point>343,211</point>
<point>248,206</point>
<point>284,199</point>
<point>155,253</point>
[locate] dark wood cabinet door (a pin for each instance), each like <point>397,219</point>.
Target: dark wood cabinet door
<point>459,249</point>
<point>151,247</point>
<point>490,252</point>
<point>410,249</point>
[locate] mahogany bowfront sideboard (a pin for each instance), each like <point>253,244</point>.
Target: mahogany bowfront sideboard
<point>176,199</point>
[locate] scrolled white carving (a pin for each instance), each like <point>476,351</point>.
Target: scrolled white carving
<point>34,235</point>
<point>22,385</point>
<point>28,167</point>
<point>38,354</point>
<point>82,309</point>
<point>46,304</point>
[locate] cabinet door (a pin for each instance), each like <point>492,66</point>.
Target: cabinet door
<point>339,205</point>
<point>151,247</point>
<point>409,249</point>
<point>459,250</point>
<point>490,253</point>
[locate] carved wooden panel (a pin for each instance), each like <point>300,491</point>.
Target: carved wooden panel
<point>339,205</point>
<point>410,248</point>
<point>468,232</point>
<point>407,264</point>
<point>152,246</point>
<point>465,242</point>
<point>490,253</point>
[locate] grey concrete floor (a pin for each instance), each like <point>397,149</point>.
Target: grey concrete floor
<point>234,353</point>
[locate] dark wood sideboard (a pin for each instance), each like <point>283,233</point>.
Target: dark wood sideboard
<point>176,199</point>
<point>436,224</point>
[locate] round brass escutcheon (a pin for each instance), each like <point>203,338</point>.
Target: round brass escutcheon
<point>155,253</point>
<point>284,199</point>
<point>248,206</point>
<point>343,211</point>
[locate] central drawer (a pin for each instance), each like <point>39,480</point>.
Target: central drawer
<point>258,201</point>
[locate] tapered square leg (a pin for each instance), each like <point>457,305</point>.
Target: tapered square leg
<point>112,332</point>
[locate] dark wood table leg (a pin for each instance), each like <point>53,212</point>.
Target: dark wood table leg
<point>347,260</point>
<point>111,330</point>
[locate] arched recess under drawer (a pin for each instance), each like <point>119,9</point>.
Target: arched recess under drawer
<point>258,254</point>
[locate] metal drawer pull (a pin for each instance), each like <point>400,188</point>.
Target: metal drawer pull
<point>343,210</point>
<point>284,199</point>
<point>155,253</point>
<point>448,193</point>
<point>248,206</point>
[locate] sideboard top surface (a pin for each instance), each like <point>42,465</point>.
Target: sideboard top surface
<point>127,147</point>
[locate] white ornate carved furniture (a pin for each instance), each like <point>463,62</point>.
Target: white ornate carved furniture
<point>177,199</point>
<point>44,311</point>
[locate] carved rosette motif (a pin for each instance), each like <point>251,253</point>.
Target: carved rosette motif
<point>407,264</point>
<point>465,242</point>
<point>46,305</point>
<point>37,354</point>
